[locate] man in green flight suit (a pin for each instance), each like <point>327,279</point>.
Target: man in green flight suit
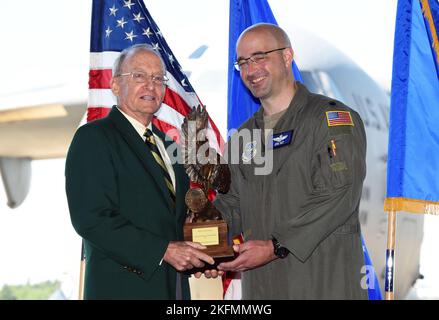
<point>298,213</point>
<point>125,196</point>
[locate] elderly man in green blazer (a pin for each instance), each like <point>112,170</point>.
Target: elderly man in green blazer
<point>126,197</point>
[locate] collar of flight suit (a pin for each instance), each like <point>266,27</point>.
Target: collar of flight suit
<point>288,122</point>
<point>299,100</point>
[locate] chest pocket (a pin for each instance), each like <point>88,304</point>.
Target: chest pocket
<point>333,165</point>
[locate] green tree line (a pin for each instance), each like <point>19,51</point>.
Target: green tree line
<point>38,291</point>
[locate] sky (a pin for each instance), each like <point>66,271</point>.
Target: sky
<point>48,44</point>
<point>49,41</point>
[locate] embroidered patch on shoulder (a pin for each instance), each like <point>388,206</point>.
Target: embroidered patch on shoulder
<point>339,118</point>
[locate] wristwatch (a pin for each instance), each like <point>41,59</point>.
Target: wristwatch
<point>279,251</point>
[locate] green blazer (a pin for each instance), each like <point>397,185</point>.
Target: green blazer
<point>120,206</point>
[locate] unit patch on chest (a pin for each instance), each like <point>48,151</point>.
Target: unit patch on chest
<point>249,151</point>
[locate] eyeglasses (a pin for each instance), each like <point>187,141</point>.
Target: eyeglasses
<point>142,77</point>
<point>256,58</point>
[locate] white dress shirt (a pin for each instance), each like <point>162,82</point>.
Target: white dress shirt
<point>140,128</point>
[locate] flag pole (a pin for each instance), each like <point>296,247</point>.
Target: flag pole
<point>390,254</point>
<point>81,273</point>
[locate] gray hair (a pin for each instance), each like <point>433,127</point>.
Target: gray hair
<point>133,50</point>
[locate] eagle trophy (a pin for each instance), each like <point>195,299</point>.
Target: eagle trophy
<point>203,165</point>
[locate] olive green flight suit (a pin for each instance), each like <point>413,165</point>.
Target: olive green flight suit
<point>309,201</point>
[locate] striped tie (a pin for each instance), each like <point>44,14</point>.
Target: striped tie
<point>150,142</point>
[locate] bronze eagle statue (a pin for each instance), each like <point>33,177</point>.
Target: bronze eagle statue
<point>203,166</point>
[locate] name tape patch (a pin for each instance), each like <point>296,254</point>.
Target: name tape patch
<point>282,139</point>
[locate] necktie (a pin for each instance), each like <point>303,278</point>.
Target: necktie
<point>151,143</point>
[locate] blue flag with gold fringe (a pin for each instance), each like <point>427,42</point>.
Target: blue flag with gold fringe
<point>413,160</point>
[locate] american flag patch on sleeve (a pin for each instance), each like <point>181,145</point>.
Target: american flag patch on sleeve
<point>339,118</point>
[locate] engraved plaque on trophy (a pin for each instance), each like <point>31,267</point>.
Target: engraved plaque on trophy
<point>205,168</point>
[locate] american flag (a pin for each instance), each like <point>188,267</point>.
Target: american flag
<point>116,25</point>
<point>339,118</point>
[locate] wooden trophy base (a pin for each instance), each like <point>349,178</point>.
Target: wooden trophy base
<point>212,234</point>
